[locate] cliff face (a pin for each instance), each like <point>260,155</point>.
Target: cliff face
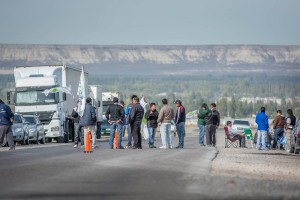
<point>200,56</point>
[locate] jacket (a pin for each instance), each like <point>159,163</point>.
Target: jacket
<point>212,117</point>
<point>201,114</point>
<point>262,121</point>
<point>279,122</point>
<point>166,114</point>
<point>115,112</point>
<point>291,122</point>
<point>127,112</point>
<point>180,115</point>
<point>89,116</point>
<point>151,118</point>
<point>75,116</point>
<point>5,114</point>
<point>136,114</point>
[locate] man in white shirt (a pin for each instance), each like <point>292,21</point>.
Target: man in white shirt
<point>235,134</point>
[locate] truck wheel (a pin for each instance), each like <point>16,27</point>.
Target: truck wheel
<point>49,140</point>
<point>60,139</point>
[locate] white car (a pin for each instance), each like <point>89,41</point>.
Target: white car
<point>240,125</point>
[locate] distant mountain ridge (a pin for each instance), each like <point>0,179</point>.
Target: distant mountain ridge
<point>134,57</point>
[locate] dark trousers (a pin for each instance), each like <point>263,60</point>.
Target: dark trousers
<point>210,133</point>
<point>278,133</point>
<point>241,139</point>
<point>78,134</point>
<point>6,130</point>
<point>181,133</point>
<point>136,134</point>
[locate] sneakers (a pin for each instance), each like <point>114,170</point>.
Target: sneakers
<point>120,147</point>
<point>163,147</point>
<point>11,149</point>
<point>75,146</point>
<point>202,145</point>
<point>171,147</point>
<point>128,146</point>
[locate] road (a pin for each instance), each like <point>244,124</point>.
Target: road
<point>55,171</point>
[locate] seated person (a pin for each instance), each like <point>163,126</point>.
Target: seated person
<point>235,134</point>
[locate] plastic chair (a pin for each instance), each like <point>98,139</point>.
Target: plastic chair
<point>230,140</point>
<point>248,135</point>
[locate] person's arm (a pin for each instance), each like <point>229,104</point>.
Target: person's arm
<point>107,113</point>
<point>288,122</point>
<point>132,113</point>
<point>93,113</point>
<point>147,114</point>
<point>276,121</point>
<point>267,122</point>
<point>218,119</point>
<point>155,114</point>
<point>160,116</point>
<point>122,113</point>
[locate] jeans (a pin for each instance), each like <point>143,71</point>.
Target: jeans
<point>129,134</point>
<point>5,130</point>
<point>166,138</point>
<point>278,133</point>
<point>181,133</point>
<point>113,128</point>
<point>201,134</point>
<point>78,134</point>
<point>261,139</point>
<point>93,133</point>
<point>151,132</point>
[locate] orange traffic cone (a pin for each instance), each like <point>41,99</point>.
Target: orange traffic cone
<point>116,140</point>
<point>88,142</point>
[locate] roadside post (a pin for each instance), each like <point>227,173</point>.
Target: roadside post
<point>116,140</point>
<point>88,142</point>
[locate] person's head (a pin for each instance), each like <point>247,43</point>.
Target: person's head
<point>115,100</point>
<point>178,103</point>
<point>289,112</point>
<point>164,101</point>
<point>213,106</point>
<point>152,106</point>
<point>228,123</point>
<point>262,109</point>
<point>279,112</point>
<point>132,97</point>
<point>135,100</point>
<point>204,106</point>
<point>88,100</point>
<point>122,103</point>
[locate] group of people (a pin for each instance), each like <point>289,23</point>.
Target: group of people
<point>281,125</point>
<point>130,118</point>
<point>208,123</point>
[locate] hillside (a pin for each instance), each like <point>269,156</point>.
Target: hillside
<point>167,59</point>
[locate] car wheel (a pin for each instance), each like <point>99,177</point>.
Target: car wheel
<point>23,141</point>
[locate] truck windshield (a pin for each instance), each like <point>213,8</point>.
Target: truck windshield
<point>35,97</point>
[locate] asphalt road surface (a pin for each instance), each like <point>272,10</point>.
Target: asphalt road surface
<point>55,171</point>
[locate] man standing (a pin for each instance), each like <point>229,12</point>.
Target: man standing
<point>290,124</point>
<point>127,123</point>
<point>166,114</point>
<point>136,115</point>
<point>278,127</point>
<point>151,115</point>
<point>115,115</point>
<point>88,121</point>
<point>262,128</point>
<point>212,121</point>
<point>180,123</point>
<point>201,114</point>
<point>77,128</point>
<point>6,120</point>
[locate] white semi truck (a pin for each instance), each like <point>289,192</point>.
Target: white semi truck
<point>54,109</point>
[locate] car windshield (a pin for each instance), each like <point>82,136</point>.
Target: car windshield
<point>241,122</point>
<point>30,120</point>
<point>17,119</point>
<point>35,97</point>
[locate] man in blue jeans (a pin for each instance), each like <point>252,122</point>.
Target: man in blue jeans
<point>262,128</point>
<point>115,115</point>
<point>180,123</point>
<point>201,114</point>
<point>151,115</point>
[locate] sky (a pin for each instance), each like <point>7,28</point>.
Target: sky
<point>150,22</point>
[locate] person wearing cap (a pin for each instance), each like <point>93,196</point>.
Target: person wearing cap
<point>180,123</point>
<point>165,116</point>
<point>6,120</point>
<point>201,123</point>
<point>115,115</point>
<point>88,121</point>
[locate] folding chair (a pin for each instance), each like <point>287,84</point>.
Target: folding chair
<point>230,140</point>
<point>248,135</point>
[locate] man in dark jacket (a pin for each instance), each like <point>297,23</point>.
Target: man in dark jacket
<point>135,116</point>
<point>88,121</point>
<point>6,120</point>
<point>151,115</point>
<point>212,121</point>
<point>115,115</point>
<point>180,123</point>
<point>77,128</point>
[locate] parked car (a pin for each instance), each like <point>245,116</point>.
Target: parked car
<point>20,129</point>
<point>36,129</point>
<point>294,146</point>
<point>240,125</point>
<point>105,127</point>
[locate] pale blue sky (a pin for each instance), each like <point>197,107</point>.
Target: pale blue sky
<point>151,22</point>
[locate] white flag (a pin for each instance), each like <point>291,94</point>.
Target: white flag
<point>81,93</point>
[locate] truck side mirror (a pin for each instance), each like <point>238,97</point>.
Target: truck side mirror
<point>10,97</point>
<point>64,96</point>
